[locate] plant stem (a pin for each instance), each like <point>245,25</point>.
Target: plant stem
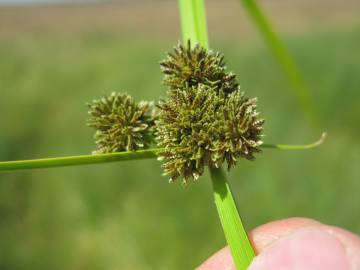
<point>285,61</point>
<point>77,160</point>
<point>194,28</point>
<point>193,21</point>
<point>234,230</point>
<point>120,156</point>
<point>235,234</point>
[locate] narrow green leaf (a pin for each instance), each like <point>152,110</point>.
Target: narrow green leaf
<point>77,160</point>
<point>120,156</point>
<point>235,234</point>
<point>296,147</point>
<point>286,62</point>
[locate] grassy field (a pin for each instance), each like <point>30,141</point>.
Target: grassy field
<point>126,216</point>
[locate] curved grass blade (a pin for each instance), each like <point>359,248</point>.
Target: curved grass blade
<point>297,147</point>
<point>286,62</point>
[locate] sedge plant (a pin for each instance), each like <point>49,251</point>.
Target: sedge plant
<point>204,122</point>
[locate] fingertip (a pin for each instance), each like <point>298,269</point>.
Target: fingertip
<point>351,243</point>
<point>310,248</point>
<point>221,260</point>
<point>266,234</point>
<point>295,238</point>
<point>260,237</point>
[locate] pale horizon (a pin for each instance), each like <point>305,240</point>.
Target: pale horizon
<point>35,2</point>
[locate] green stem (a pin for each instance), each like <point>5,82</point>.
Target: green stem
<point>194,28</point>
<point>120,156</point>
<point>193,21</point>
<point>284,59</point>
<point>235,234</point>
<point>77,160</point>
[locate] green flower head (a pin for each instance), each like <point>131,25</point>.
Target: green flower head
<point>188,66</point>
<point>121,123</point>
<point>198,127</point>
<point>204,122</point>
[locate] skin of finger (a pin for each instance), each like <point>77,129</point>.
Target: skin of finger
<point>350,241</point>
<point>310,248</point>
<point>260,237</point>
<point>267,234</point>
<point>264,235</point>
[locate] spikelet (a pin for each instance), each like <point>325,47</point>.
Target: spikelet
<point>121,124</point>
<point>188,67</point>
<point>206,120</point>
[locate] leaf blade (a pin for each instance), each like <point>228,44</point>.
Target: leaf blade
<point>234,230</point>
<point>77,160</point>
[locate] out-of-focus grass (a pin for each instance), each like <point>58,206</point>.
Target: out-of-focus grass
<point>122,216</point>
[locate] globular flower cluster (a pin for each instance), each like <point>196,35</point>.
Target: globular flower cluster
<point>188,67</point>
<point>121,123</point>
<point>206,120</point>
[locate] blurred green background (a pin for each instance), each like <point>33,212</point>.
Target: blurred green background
<point>55,58</point>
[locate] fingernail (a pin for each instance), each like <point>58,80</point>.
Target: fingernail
<point>305,249</point>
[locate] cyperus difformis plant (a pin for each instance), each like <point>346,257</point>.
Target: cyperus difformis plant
<point>121,123</point>
<point>202,126</point>
<point>206,120</point>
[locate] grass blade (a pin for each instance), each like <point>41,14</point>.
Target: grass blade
<point>296,147</point>
<point>286,62</point>
<point>114,157</point>
<point>77,160</point>
<point>235,234</point>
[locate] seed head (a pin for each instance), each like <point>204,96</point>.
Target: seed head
<point>188,66</point>
<point>206,120</point>
<point>243,128</point>
<point>200,127</point>
<point>121,123</point>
